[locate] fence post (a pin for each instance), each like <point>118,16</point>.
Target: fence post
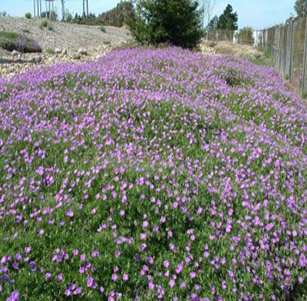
<point>304,86</point>
<point>291,50</point>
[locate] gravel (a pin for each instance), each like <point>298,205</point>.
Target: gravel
<point>65,40</point>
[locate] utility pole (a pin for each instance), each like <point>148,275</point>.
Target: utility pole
<point>87,7</point>
<point>63,10</point>
<point>34,8</point>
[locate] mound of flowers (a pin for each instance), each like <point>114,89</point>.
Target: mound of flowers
<point>152,175</point>
<point>12,41</point>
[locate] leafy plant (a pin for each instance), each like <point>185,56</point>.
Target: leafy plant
<point>178,22</point>
<point>28,15</point>
<point>43,24</point>
<point>50,51</point>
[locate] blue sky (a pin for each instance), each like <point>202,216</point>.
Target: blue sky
<point>256,13</point>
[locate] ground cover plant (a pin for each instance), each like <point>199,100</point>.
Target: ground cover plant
<point>150,175</point>
<point>13,41</point>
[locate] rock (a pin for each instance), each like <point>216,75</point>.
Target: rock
<point>37,59</point>
<point>15,53</point>
<point>64,51</point>
<point>52,59</point>
<point>57,50</point>
<point>82,51</point>
<point>76,56</point>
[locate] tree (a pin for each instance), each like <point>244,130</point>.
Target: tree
<point>213,23</point>
<point>301,8</point>
<point>228,20</point>
<point>178,22</point>
<point>118,15</point>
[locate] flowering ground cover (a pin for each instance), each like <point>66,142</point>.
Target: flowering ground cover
<point>152,174</point>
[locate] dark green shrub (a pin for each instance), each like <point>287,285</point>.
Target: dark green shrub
<point>102,28</point>
<point>177,22</point>
<point>43,24</point>
<point>28,15</point>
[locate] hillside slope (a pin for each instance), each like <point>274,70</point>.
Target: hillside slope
<point>152,175</point>
<point>64,35</point>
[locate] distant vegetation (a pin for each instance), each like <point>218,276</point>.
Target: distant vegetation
<point>12,41</point>
<point>245,36</point>
<point>50,15</point>
<point>43,24</point>
<point>301,8</point>
<point>28,15</point>
<point>177,22</point>
<point>117,16</point>
<point>228,20</point>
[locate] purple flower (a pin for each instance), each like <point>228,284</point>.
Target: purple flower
<point>47,276</point>
<point>14,296</point>
<point>125,277</point>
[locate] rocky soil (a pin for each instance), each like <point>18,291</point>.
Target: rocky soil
<point>224,47</point>
<point>66,42</point>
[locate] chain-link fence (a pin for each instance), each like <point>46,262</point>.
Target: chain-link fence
<point>246,36</point>
<point>288,47</point>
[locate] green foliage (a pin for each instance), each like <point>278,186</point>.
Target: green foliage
<point>12,41</point>
<point>50,27</point>
<point>177,22</point>
<point>245,36</point>
<point>213,23</point>
<point>68,16</point>
<point>90,20</point>
<point>265,59</point>
<point>50,51</point>
<point>43,24</point>
<point>9,35</point>
<point>50,15</point>
<point>28,15</point>
<point>228,19</point>
<point>119,15</point>
<point>301,8</point>
<point>102,28</point>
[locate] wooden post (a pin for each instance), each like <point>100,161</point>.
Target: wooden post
<point>291,50</point>
<point>304,86</point>
<point>87,8</point>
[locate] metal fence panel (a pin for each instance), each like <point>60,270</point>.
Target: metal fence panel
<point>287,44</point>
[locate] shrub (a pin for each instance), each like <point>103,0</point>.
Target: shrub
<point>50,51</point>
<point>28,15</point>
<point>177,22</point>
<point>50,27</point>
<point>43,24</point>
<point>12,41</point>
<point>102,28</point>
<point>245,36</point>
